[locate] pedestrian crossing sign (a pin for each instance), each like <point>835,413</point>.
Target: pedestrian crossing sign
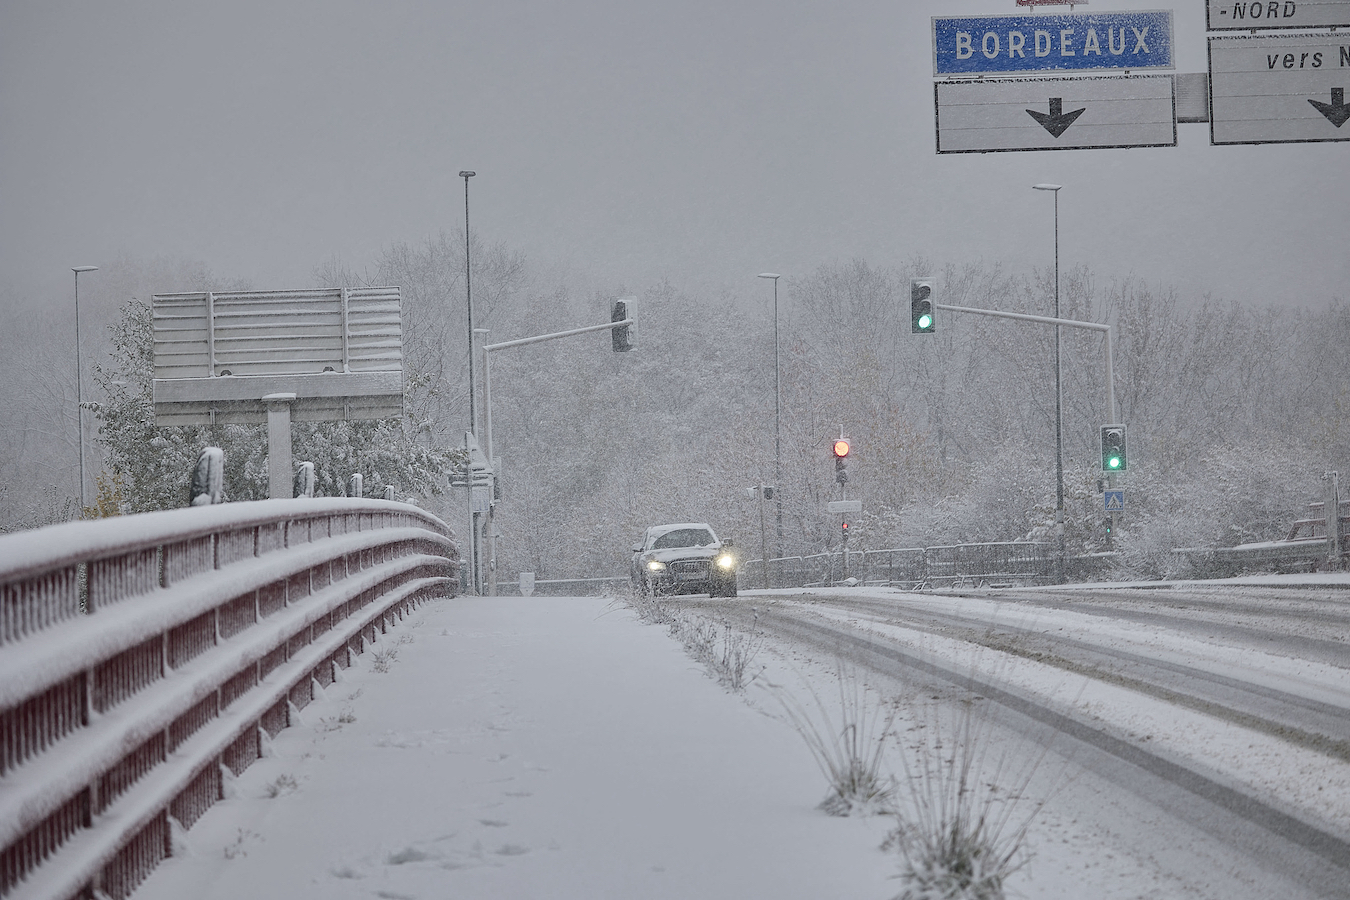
<point>1115,501</point>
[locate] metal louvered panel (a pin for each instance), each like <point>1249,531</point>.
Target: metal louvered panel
<point>216,355</point>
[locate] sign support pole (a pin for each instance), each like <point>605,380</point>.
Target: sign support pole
<point>280,478</point>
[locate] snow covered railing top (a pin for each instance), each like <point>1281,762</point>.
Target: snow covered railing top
<point>51,574</point>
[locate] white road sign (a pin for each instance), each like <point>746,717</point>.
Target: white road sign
<point>1245,15</point>
<point>1055,113</point>
<point>1276,88</point>
<point>844,506</point>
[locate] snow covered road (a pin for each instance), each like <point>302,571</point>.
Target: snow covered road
<point>1234,714</point>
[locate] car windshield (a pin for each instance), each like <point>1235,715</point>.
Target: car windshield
<point>683,537</point>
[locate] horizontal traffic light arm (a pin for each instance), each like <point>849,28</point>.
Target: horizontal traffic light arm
<point>558,334</point>
<point>1072,323</point>
<point>1049,320</point>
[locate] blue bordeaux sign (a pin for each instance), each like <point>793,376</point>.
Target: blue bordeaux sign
<point>989,45</point>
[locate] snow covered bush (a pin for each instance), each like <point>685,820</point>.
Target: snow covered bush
<point>1233,495</point>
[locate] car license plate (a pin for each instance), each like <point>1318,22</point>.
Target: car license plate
<point>688,576</point>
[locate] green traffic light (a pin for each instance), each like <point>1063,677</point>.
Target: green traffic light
<point>1114,462</point>
<point>925,321</point>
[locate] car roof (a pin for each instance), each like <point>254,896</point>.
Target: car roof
<point>656,531</point>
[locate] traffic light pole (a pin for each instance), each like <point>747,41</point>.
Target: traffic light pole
<point>488,350</point>
<point>1071,323</point>
<point>763,538</point>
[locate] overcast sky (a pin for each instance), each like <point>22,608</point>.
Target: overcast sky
<point>702,141</point>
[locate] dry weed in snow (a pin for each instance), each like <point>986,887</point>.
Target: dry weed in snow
<point>961,833</point>
<point>849,749</point>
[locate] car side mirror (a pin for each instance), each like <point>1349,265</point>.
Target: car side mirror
<point>637,548</point>
<point>728,543</point>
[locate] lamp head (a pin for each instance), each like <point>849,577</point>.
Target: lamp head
<point>1046,187</point>
<point>78,269</point>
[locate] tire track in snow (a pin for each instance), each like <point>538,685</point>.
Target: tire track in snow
<point>1313,856</point>
<point>1307,722</point>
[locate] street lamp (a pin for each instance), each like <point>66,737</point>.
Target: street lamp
<point>777,422</point>
<point>1059,394</point>
<point>79,379</point>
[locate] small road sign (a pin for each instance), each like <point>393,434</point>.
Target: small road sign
<point>1115,501</point>
<point>1278,88</point>
<point>844,506</point>
<point>1081,42</point>
<point>1055,113</point>
<point>1245,15</point>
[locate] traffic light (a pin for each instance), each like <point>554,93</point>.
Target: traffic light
<point>1113,448</point>
<point>921,308</point>
<point>840,450</point>
<point>624,337</point>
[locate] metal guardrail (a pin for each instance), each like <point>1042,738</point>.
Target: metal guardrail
<point>141,655</point>
<point>915,567</point>
<point>1281,557</point>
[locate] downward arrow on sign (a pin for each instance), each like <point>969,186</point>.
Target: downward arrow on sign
<point>1058,121</point>
<point>1336,111</point>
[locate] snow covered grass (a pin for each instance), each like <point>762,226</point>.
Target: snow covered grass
<point>960,832</point>
<point>728,653</point>
<point>961,809</point>
<point>849,749</point>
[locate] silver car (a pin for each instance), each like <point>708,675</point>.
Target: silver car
<point>684,558</point>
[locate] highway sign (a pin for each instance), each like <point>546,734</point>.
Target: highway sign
<point>1115,501</point>
<point>1073,42</point>
<point>844,506</point>
<point>1245,15</point>
<point>1055,113</point>
<point>1278,88</point>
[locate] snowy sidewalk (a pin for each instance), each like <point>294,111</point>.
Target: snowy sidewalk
<point>529,748</point>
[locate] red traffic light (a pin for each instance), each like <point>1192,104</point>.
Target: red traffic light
<point>840,448</point>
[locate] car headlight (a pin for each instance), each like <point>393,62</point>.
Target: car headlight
<point>726,561</point>
<point>655,565</point>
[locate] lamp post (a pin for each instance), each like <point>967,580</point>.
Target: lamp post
<point>777,424</point>
<point>468,295</point>
<point>473,406</point>
<point>79,379</point>
<point>1059,394</point>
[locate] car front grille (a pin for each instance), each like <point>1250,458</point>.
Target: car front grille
<point>689,568</point>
